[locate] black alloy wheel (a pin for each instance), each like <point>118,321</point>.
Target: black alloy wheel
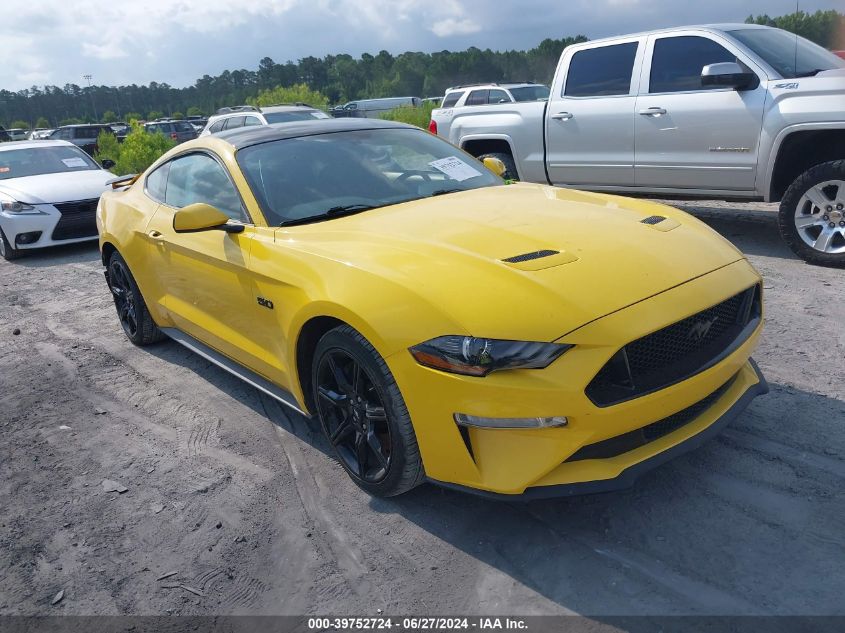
<point>354,416</point>
<point>124,300</point>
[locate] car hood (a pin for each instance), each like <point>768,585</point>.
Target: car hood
<point>450,251</point>
<point>62,187</point>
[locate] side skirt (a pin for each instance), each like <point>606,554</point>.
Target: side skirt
<point>236,369</point>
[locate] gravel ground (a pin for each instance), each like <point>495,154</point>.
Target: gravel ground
<point>237,498</point>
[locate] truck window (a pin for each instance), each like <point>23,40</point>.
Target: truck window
<point>477,97</point>
<point>451,99</point>
<point>498,96</point>
<point>602,71</point>
<point>677,62</point>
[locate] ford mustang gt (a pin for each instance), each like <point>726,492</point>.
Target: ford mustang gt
<point>442,326</point>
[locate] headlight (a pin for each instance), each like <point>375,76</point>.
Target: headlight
<point>479,356</point>
<point>10,205</point>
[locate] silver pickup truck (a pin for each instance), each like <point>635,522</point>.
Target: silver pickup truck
<point>731,111</point>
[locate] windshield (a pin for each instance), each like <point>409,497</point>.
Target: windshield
<point>311,178</point>
<point>34,161</point>
<point>294,115</point>
<point>791,56</point>
<point>530,93</point>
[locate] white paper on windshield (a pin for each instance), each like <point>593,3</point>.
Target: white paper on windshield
<point>74,162</point>
<point>455,168</point>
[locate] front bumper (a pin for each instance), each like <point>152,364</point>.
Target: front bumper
<point>512,461</point>
<point>44,222</point>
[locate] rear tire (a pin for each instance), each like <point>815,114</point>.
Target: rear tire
<point>7,251</point>
<point>363,414</point>
<point>507,159</point>
<point>135,318</point>
<point>811,218</point>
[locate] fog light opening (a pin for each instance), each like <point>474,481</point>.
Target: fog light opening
<point>28,238</point>
<point>464,419</point>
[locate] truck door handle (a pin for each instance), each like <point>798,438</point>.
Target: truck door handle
<point>563,116</point>
<point>653,111</point>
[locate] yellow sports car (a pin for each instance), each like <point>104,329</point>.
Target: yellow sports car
<point>512,340</point>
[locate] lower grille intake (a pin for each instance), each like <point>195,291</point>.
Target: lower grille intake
<point>78,220</point>
<point>614,446</point>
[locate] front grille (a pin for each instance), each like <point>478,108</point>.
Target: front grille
<point>634,439</point>
<point>78,220</point>
<point>678,351</point>
<point>527,257</point>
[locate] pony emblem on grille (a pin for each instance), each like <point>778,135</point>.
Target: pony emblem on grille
<point>700,329</point>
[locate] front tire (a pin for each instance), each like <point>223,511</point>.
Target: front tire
<point>812,215</point>
<point>135,318</point>
<point>7,251</point>
<point>363,414</point>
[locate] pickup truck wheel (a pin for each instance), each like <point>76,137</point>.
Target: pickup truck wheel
<point>507,159</point>
<point>812,215</point>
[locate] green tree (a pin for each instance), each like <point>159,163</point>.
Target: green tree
<point>195,111</point>
<point>132,116</point>
<point>177,115</point>
<point>70,121</point>
<point>109,117</point>
<point>298,93</point>
<point>153,115</point>
<point>20,124</point>
<point>42,122</point>
<point>825,28</point>
<point>137,152</point>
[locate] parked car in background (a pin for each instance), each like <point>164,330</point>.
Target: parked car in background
<point>121,128</point>
<point>730,111</point>
<point>39,133</point>
<point>48,195</point>
<point>245,116</point>
<point>374,108</point>
<point>82,135</point>
<point>839,54</point>
<point>439,324</point>
<point>483,94</point>
<point>4,135</point>
<point>18,133</point>
<point>179,131</point>
<point>199,122</point>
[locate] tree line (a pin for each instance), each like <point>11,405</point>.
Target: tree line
<point>338,78</point>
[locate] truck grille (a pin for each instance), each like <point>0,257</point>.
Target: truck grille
<point>78,220</point>
<point>678,351</point>
<point>614,446</point>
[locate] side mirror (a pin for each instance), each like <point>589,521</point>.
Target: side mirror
<point>495,165</point>
<point>728,75</point>
<point>202,217</point>
<point>108,163</point>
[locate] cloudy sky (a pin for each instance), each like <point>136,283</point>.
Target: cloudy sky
<point>176,41</point>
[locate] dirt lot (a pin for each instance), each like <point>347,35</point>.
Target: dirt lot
<point>238,497</point>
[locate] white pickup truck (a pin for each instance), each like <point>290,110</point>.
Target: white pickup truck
<point>736,111</point>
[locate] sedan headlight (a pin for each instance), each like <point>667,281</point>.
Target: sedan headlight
<point>472,356</point>
<point>10,205</point>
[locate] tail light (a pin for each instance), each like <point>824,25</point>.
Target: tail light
<point>174,136</point>
<point>432,126</point>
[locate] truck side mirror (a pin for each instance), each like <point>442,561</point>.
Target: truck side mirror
<point>728,75</point>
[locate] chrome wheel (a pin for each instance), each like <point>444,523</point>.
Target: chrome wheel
<point>820,217</point>
<point>353,416</point>
<point>124,298</point>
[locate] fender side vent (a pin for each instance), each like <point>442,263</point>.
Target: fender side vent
<point>653,219</point>
<point>527,257</point>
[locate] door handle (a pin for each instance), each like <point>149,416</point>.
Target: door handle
<point>653,111</point>
<point>563,116</point>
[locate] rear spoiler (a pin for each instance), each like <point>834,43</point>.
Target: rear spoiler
<point>122,181</point>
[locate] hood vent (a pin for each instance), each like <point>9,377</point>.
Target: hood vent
<point>653,219</point>
<point>527,257</point>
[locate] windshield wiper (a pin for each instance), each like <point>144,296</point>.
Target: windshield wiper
<point>332,212</point>
<point>441,192</point>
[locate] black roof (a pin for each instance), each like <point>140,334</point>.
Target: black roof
<point>253,135</point>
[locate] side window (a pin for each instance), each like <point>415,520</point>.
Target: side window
<point>64,134</point>
<point>677,62</point>
<point>498,96</point>
<point>217,126</point>
<point>233,122</point>
<point>157,183</point>
<point>477,97</point>
<point>251,120</point>
<point>451,99</point>
<point>602,71</point>
<point>200,178</point>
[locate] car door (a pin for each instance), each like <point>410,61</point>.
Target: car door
<point>689,136</point>
<point>590,116</point>
<point>208,291</point>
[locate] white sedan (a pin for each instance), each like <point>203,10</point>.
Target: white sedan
<point>49,192</point>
